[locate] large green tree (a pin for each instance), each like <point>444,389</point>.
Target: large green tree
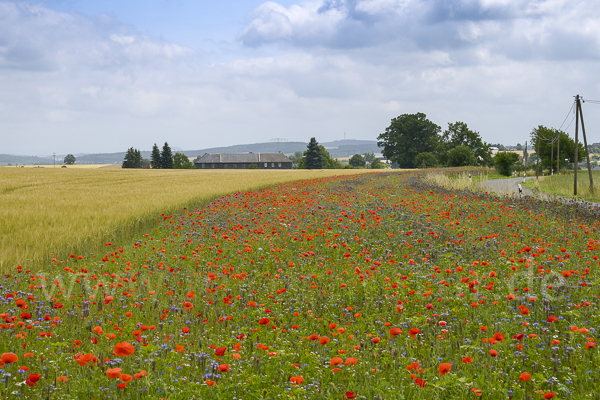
<point>133,159</point>
<point>328,162</point>
<point>181,161</point>
<point>166,157</point>
<point>357,161</point>
<point>460,156</point>
<point>70,159</point>
<point>544,137</point>
<point>313,159</point>
<point>407,136</point>
<point>155,157</point>
<point>459,134</point>
<point>505,161</point>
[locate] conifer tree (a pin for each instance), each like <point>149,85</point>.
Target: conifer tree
<point>155,157</point>
<point>166,157</point>
<point>313,159</point>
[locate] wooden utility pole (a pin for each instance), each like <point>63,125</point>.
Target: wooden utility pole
<point>587,153</point>
<point>552,159</point>
<point>558,156</point>
<point>537,157</point>
<point>576,165</point>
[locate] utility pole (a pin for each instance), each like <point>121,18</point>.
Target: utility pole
<point>576,165</point>
<point>587,153</point>
<point>552,159</point>
<point>537,158</point>
<point>558,156</point>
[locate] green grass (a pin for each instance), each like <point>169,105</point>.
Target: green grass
<point>563,185</point>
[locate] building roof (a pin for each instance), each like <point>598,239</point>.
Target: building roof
<point>242,158</point>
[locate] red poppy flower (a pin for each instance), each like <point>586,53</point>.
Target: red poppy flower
<point>113,373</point>
<point>220,351</point>
<point>493,353</point>
<point>420,382</point>
<point>395,331</point>
<point>264,321</point>
<point>324,340</point>
<point>525,377</point>
<point>223,368</point>
<point>549,395</point>
<point>467,360</point>
<point>125,378</point>
<point>336,361</point>
<point>9,358</point>
<point>444,368</point>
<point>297,380</point>
<point>350,395</point>
<point>123,349</point>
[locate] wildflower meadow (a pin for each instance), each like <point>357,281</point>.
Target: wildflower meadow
<point>371,286</point>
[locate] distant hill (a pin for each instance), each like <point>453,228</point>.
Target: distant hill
<point>337,148</point>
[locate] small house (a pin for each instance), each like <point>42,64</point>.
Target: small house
<point>243,161</point>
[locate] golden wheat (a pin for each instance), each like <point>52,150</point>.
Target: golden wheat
<point>63,210</point>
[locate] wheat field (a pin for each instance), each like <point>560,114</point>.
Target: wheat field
<point>52,212</point>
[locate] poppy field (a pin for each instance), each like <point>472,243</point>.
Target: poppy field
<point>371,286</point>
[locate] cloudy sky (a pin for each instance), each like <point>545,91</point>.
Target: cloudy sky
<point>90,76</point>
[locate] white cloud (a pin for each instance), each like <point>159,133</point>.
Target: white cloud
<point>318,68</point>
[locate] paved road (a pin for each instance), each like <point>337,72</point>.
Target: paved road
<point>508,186</point>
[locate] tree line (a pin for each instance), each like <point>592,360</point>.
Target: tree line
<point>316,156</point>
<point>413,141</point>
<point>159,159</point>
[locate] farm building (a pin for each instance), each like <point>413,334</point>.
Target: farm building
<point>243,161</point>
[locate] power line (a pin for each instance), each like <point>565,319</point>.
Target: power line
<point>570,110</point>
<point>572,119</point>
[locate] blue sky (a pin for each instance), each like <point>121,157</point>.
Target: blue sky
<point>102,76</point>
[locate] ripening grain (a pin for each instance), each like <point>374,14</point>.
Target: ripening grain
<point>46,209</point>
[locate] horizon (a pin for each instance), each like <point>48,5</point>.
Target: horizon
<point>88,77</point>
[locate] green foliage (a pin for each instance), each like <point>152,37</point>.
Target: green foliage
<point>460,156</point>
<point>504,162</point>
<point>313,158</point>
<point>406,137</point>
<point>369,157</point>
<point>357,161</point>
<point>166,157</point>
<point>425,160</point>
<point>544,136</point>
<point>378,164</point>
<point>296,159</point>
<point>133,159</point>
<point>253,166</point>
<point>155,157</point>
<point>459,134</point>
<point>70,159</point>
<point>181,161</point>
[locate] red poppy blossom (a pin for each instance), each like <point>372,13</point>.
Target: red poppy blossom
<point>220,351</point>
<point>350,395</point>
<point>467,360</point>
<point>493,353</point>
<point>9,358</point>
<point>549,395</point>
<point>113,373</point>
<point>223,368</point>
<point>444,368</point>
<point>297,380</point>
<point>395,331</point>
<point>123,349</point>
<point>525,377</point>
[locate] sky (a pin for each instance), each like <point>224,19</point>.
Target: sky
<point>92,76</point>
